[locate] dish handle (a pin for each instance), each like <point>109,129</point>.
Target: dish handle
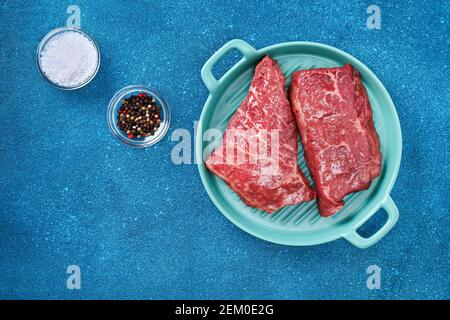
<point>207,76</point>
<point>361,242</point>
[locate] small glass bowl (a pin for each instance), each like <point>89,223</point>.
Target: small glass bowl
<point>113,109</point>
<point>50,36</point>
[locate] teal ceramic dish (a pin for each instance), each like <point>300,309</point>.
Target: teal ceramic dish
<point>300,224</point>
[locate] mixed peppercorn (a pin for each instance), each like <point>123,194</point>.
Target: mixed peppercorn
<point>139,116</point>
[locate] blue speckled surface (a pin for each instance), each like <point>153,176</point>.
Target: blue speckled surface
<point>142,227</point>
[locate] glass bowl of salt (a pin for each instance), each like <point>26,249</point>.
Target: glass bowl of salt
<point>68,58</point>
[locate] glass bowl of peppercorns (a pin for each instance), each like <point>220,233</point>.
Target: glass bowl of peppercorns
<point>138,116</point>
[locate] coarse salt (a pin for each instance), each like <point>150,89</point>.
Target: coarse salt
<point>69,59</point>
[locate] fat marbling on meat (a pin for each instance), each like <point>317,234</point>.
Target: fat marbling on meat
<point>341,145</point>
<point>269,177</point>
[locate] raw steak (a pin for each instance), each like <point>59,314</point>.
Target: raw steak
<point>341,145</point>
<point>269,177</point>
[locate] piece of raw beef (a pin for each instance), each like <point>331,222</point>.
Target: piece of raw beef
<point>341,145</point>
<point>258,154</point>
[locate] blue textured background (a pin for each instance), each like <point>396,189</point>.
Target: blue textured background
<point>140,226</point>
